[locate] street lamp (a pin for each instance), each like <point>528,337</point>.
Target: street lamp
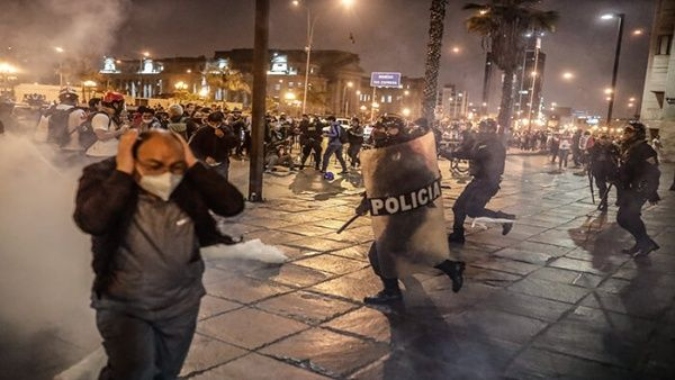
<point>617,53</point>
<point>344,97</point>
<point>311,23</point>
<point>60,50</point>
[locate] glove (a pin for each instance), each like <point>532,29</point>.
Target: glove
<point>364,207</point>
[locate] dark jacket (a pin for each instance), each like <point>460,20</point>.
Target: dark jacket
<point>106,201</point>
<point>487,158</point>
<point>639,170</point>
<point>205,143</point>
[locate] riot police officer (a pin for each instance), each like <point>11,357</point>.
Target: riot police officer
<point>604,157</point>
<point>487,157</point>
<point>311,136</point>
<point>639,178</point>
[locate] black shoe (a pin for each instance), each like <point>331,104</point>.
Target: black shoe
<point>456,238</point>
<point>507,227</point>
<point>384,297</point>
<point>646,249</point>
<point>454,270</point>
<point>632,250</point>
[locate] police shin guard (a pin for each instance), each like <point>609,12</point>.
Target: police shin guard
<point>390,294</point>
<point>454,270</point>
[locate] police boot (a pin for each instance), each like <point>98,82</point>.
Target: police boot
<point>646,248</point>
<point>457,236</point>
<point>632,250</point>
<point>390,294</point>
<point>302,162</point>
<point>506,227</point>
<point>454,270</point>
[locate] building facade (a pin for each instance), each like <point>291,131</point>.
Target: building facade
<point>336,84</point>
<point>658,99</point>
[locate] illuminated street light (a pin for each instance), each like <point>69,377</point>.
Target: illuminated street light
<point>567,75</point>
<point>60,50</point>
<point>455,49</point>
<point>181,86</point>
<point>638,32</point>
<point>608,91</point>
<point>406,112</point>
<point>617,53</point>
<point>345,109</point>
<point>311,23</point>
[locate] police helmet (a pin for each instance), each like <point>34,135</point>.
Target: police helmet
<point>638,128</point>
<point>489,124</point>
<point>391,121</point>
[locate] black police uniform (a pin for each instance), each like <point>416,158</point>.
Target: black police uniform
<point>311,136</point>
<point>487,158</point>
<point>639,179</point>
<point>604,168</point>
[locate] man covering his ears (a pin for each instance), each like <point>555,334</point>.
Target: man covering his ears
<point>148,211</point>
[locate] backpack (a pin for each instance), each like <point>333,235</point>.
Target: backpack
<point>344,138</point>
<point>87,137</point>
<point>57,126</point>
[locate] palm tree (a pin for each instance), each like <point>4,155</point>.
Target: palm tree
<point>503,25</point>
<point>227,79</point>
<point>433,57</point>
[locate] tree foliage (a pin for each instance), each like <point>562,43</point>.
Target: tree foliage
<point>503,25</point>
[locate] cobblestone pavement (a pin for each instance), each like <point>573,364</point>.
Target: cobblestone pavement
<point>554,299</point>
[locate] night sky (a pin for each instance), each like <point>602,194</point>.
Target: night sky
<point>389,35</point>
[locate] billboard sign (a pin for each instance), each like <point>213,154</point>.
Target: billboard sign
<point>380,79</point>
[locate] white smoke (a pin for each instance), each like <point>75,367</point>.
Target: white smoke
<point>45,273</point>
<point>84,29</point>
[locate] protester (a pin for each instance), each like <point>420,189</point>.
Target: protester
<point>334,146</point>
<point>148,211</point>
<point>108,126</point>
<point>213,143</point>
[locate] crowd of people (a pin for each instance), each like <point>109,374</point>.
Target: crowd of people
<point>156,180</point>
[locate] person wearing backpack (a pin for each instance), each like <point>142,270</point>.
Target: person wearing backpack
<point>639,180</point>
<point>336,134</point>
<point>63,121</point>
<point>108,126</point>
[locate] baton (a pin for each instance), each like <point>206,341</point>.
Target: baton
<point>350,221</point>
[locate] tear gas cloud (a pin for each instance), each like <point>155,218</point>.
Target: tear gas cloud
<point>31,30</point>
<point>45,273</point>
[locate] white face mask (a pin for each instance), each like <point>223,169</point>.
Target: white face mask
<point>161,185</point>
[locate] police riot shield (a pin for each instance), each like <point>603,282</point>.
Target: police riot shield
<point>403,184</point>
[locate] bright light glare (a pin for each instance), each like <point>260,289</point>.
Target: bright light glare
<point>347,3</point>
<point>568,75</point>
<point>6,68</point>
<point>637,32</point>
<point>455,49</point>
<point>296,2</point>
<point>608,91</point>
<point>607,16</point>
<point>58,49</point>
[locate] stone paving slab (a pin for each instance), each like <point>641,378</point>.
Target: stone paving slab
<point>553,299</point>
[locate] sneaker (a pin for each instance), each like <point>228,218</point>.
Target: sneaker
<point>384,297</point>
